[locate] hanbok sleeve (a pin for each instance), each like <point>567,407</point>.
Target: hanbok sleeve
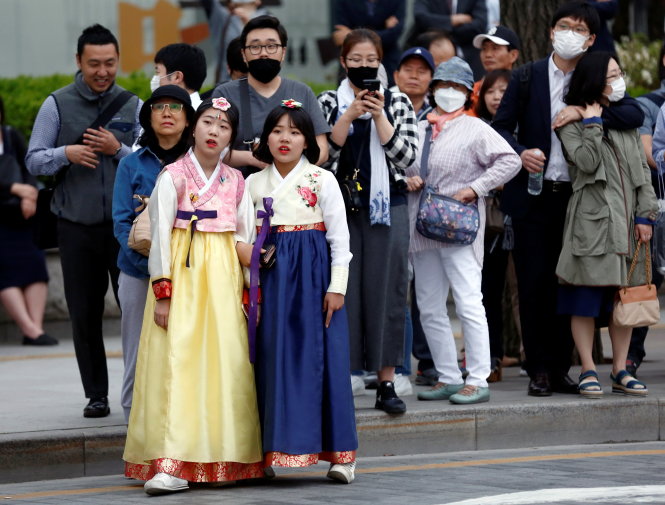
<point>337,232</point>
<point>246,225</point>
<point>162,209</point>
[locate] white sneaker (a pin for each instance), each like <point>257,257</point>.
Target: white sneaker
<point>163,483</point>
<point>342,472</point>
<point>357,385</point>
<point>402,385</point>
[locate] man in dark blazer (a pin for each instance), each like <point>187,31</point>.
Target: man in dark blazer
<point>468,19</point>
<point>533,103</point>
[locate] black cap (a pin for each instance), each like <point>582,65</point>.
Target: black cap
<point>499,35</point>
<point>168,91</point>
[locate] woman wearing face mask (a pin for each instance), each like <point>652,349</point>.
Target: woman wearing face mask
<point>467,158</point>
<point>374,136</point>
<point>612,207</point>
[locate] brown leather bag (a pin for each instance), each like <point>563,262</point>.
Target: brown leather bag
<point>638,305</point>
<point>139,236</point>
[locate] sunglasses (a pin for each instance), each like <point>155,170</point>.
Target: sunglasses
<point>173,107</point>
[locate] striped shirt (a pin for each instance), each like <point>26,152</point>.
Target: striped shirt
<point>466,153</point>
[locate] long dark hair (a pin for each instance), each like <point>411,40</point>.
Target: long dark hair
<point>490,79</point>
<point>298,118</point>
<point>589,79</point>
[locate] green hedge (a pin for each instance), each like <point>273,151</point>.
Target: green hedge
<point>23,95</point>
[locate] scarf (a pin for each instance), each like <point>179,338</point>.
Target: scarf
<point>379,191</point>
<point>438,122</point>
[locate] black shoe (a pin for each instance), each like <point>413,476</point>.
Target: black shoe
<point>43,339</point>
<point>427,377</point>
<point>539,385</point>
<point>97,407</point>
<point>387,400</point>
<point>564,384</point>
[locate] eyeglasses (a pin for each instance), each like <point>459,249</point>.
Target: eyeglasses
<point>579,29</point>
<point>160,107</point>
<point>369,61</point>
<point>255,49</point>
<point>611,78</point>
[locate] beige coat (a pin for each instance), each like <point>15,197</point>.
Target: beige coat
<point>611,186</point>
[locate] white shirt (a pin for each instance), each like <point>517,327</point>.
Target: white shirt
<point>557,168</point>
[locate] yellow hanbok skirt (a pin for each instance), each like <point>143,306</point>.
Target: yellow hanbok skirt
<point>194,414</point>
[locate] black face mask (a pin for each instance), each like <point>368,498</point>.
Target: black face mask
<point>264,69</point>
<point>358,74</point>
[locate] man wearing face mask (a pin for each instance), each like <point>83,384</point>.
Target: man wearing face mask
<point>264,42</point>
<point>183,65</point>
<point>533,103</point>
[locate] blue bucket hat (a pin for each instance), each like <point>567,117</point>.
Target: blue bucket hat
<point>454,70</point>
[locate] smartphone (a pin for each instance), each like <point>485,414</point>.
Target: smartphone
<point>371,85</point>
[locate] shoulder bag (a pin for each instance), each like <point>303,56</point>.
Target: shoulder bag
<point>140,238</point>
<point>440,217</point>
<point>638,305</point>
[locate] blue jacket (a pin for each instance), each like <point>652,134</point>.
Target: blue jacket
<point>534,128</point>
<point>136,174</point>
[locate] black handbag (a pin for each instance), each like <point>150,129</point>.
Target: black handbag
<point>349,185</point>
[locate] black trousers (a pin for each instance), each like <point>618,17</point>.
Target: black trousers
<point>88,255</point>
<point>546,336</point>
<point>493,283</point>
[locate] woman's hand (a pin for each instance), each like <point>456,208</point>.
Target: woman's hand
<point>244,251</point>
<point>466,195</point>
<point>593,110</point>
<point>374,103</point>
<point>643,232</point>
<point>331,303</point>
<point>162,309</point>
<point>358,107</point>
<point>414,183</point>
<point>28,195</point>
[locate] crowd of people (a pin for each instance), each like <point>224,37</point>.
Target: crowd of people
<point>289,266</point>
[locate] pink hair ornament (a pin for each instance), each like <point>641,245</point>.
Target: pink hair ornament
<point>291,104</point>
<point>221,103</point>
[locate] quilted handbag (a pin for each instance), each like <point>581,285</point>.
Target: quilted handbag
<point>440,217</point>
<point>140,238</point>
<point>637,306</point>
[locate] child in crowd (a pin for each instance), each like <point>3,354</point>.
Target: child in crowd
<point>302,356</point>
<point>194,415</point>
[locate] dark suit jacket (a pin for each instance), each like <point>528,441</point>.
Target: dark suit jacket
<point>435,14</point>
<point>534,127</point>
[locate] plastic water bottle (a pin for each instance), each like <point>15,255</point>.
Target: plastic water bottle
<point>535,184</point>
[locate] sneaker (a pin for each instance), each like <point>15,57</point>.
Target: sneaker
<point>357,385</point>
<point>163,483</point>
<point>471,394</point>
<point>387,400</point>
<point>342,472</point>
<point>371,381</point>
<point>440,391</point>
<point>403,385</point>
<point>523,372</point>
<point>428,377</point>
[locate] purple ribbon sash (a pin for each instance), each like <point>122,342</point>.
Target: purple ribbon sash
<point>199,214</point>
<point>253,317</point>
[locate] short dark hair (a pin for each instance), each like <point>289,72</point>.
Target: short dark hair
<point>188,59</point>
<point>361,35</point>
<point>488,82</point>
<point>264,22</point>
<point>661,66</point>
<point>234,57</point>
<point>96,35</point>
<point>589,79</point>
<point>232,115</point>
<point>298,118</point>
<point>583,11</point>
<point>429,37</point>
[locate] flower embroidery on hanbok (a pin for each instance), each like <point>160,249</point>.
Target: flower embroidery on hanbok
<point>309,193</point>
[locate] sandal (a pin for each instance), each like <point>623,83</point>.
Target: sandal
<point>626,384</point>
<point>590,388</point>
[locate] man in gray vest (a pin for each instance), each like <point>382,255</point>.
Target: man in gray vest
<point>80,134</point>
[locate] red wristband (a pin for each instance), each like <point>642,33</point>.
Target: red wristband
<point>162,289</point>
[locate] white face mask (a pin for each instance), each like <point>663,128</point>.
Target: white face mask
<point>156,80</point>
<point>449,99</point>
<point>568,44</point>
<point>618,90</point>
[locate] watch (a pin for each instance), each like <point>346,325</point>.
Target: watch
<point>117,150</point>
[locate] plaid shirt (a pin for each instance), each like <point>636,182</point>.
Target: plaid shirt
<point>401,149</point>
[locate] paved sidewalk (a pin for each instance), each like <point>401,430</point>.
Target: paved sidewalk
<point>43,434</point>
